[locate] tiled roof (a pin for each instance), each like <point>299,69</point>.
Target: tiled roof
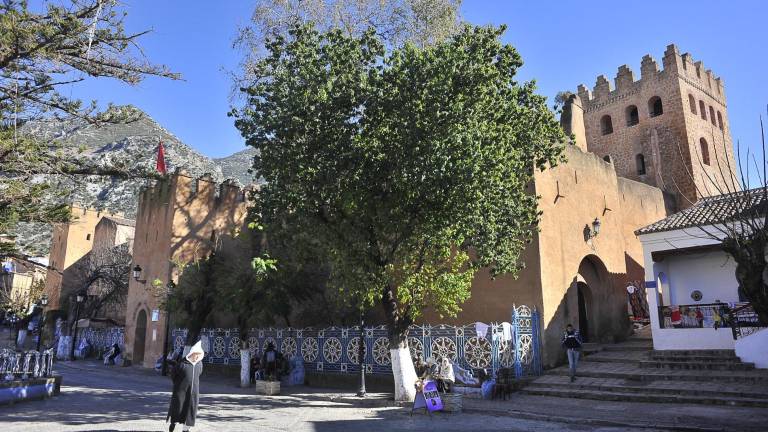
<point>713,210</point>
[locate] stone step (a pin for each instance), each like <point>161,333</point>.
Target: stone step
<point>638,397</point>
<point>643,375</point>
<point>685,353</point>
<point>694,358</point>
<point>629,346</point>
<point>587,348</point>
<point>689,388</point>
<point>607,359</point>
<point>693,365</point>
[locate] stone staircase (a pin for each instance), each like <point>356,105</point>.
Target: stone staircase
<point>633,371</point>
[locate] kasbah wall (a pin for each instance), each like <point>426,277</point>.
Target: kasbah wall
<point>70,242</point>
<point>177,221</point>
<point>601,180</point>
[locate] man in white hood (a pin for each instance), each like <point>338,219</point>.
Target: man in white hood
<point>187,367</point>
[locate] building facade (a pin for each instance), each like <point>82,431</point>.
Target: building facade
<point>70,242</point>
<point>668,129</point>
<point>178,222</point>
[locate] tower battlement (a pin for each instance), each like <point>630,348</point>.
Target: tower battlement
<point>675,66</point>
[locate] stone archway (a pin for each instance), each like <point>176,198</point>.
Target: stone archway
<point>584,296</point>
<point>592,288</point>
<point>140,335</point>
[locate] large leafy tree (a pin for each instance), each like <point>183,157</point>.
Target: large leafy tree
<point>43,50</point>
<point>410,167</point>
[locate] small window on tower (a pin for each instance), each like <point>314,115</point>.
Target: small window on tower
<point>703,109</point>
<point>606,125</point>
<point>88,237</point>
<point>640,162</point>
<point>704,151</point>
<point>719,120</point>
<point>655,107</point>
<point>633,117</point>
<point>607,158</point>
<point>692,102</point>
<point>712,115</point>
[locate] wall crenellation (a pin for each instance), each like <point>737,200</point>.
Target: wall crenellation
<point>675,65</point>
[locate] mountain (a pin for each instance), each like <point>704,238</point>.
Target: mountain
<point>238,165</point>
<point>130,147</point>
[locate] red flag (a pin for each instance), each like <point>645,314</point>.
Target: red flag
<point>161,159</point>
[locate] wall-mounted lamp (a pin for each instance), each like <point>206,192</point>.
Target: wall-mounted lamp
<point>137,274</point>
<point>593,231</point>
<point>595,227</point>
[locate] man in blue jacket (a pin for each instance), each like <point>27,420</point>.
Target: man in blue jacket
<point>572,343</point>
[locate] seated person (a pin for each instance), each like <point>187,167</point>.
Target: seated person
<point>255,367</point>
<point>109,357</point>
<point>269,363</point>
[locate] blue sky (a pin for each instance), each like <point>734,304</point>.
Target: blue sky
<point>563,43</point>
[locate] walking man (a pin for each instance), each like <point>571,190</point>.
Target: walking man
<point>186,370</point>
<point>572,343</point>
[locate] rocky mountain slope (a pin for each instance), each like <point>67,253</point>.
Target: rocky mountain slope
<point>238,165</point>
<point>128,147</point>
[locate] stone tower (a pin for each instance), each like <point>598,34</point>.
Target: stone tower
<point>668,129</point>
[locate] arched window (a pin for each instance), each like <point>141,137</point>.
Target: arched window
<point>704,151</point>
<point>692,102</point>
<point>633,117</point>
<point>712,115</point>
<point>607,158</point>
<point>719,120</point>
<point>703,110</point>
<point>606,125</point>
<point>654,107</point>
<point>640,162</point>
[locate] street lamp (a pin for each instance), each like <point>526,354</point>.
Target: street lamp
<point>137,274</point>
<point>79,299</point>
<point>41,324</point>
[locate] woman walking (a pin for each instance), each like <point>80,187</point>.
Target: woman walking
<point>187,367</point>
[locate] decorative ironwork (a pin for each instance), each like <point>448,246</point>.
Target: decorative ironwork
<point>744,321</point>
<point>443,347</point>
<point>332,350</point>
<point>336,350</point>
<point>381,353</point>
<point>477,352</point>
<point>353,350</point>
<point>309,349</point>
<point>288,347</point>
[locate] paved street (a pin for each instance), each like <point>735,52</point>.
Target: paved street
<point>96,398</point>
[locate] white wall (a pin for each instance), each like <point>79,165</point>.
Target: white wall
<point>754,348</point>
<point>712,273</point>
<point>709,272</point>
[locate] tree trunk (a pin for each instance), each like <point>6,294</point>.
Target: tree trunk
<point>245,367</point>
<point>750,267</point>
<point>402,365</point>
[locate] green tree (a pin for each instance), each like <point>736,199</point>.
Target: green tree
<point>42,50</point>
<point>410,168</point>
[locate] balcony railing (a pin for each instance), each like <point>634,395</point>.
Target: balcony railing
<point>710,315</point>
<point>745,321</point>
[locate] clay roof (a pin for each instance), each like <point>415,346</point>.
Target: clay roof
<point>121,221</point>
<point>713,210</point>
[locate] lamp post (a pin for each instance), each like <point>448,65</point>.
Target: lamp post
<point>78,299</point>
<point>41,324</point>
<point>169,289</point>
<point>136,272</point>
<point>361,354</point>
<point>595,227</point>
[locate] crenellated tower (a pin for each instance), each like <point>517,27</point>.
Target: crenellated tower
<point>668,129</point>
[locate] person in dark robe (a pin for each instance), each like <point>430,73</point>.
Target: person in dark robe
<point>187,367</point>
